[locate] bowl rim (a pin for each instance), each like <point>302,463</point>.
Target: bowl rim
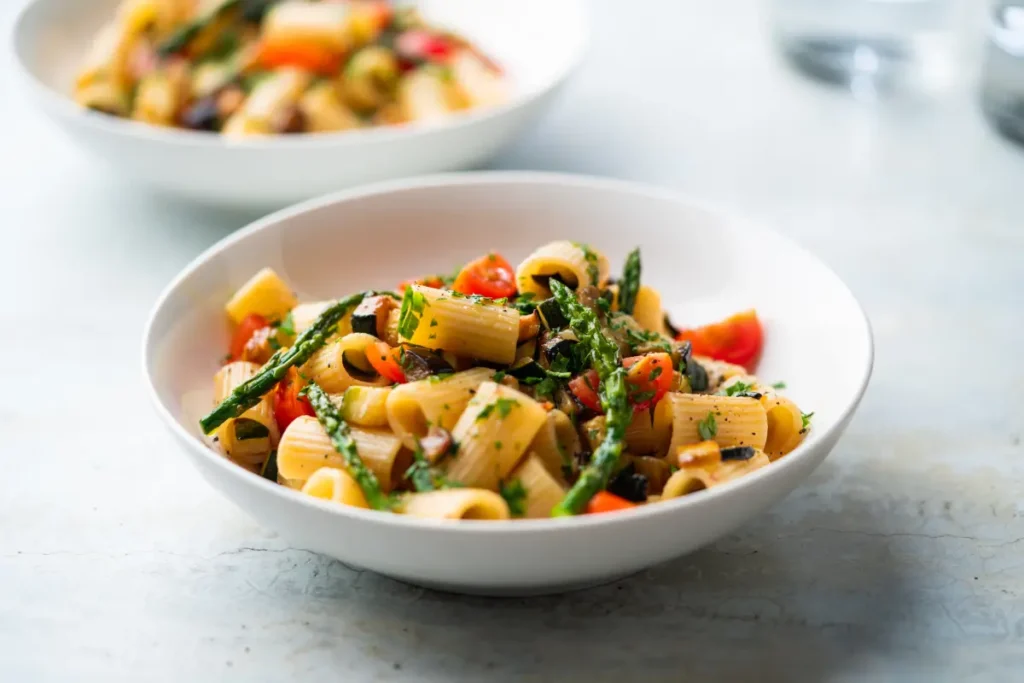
<point>137,130</point>
<point>806,450</point>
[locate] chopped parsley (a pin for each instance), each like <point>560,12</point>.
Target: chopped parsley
<point>499,375</point>
<point>542,388</point>
<point>639,338</point>
<point>413,304</point>
<point>502,405</point>
<point>287,325</point>
<point>708,427</point>
<point>641,397</point>
<point>440,377</point>
<point>514,494</point>
<point>779,385</point>
<point>497,445</point>
<point>433,322</point>
<point>593,272</point>
<point>655,373</point>
<point>806,420</point>
<point>525,303</point>
<point>740,387</point>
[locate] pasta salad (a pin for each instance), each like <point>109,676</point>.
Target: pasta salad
<point>495,393</point>
<point>265,67</point>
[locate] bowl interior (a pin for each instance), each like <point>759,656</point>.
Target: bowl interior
<point>535,40</point>
<point>705,263</point>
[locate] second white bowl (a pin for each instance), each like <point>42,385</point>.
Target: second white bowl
<point>538,42</point>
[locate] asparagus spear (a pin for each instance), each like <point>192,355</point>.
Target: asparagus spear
<point>630,284</point>
<point>249,393</point>
<point>614,399</point>
<point>341,436</point>
<point>180,39</point>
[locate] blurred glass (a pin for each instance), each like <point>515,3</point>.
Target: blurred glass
<point>1002,82</point>
<point>868,45</point>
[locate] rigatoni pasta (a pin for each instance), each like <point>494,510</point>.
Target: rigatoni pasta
<point>473,397</point>
<point>258,67</point>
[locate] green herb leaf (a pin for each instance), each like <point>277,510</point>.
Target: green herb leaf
<point>499,375</point>
<point>708,427</point>
<point>287,325</point>
<point>629,286</point>
<point>413,305</point>
<point>514,494</point>
<point>593,272</point>
<point>779,385</point>
<point>739,387</point>
<point>806,419</point>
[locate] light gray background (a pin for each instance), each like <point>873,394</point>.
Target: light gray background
<point>902,558</point>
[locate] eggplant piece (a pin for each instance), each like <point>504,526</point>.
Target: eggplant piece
<point>436,444</point>
<point>737,453</point>
<point>555,345</point>
<point>630,485</point>
<point>551,314</point>
<point>527,368</point>
<point>697,376</point>
<point>204,114</point>
<point>371,315</point>
<point>419,363</point>
<point>356,371</point>
<point>254,10</point>
<point>681,355</point>
<point>545,281</point>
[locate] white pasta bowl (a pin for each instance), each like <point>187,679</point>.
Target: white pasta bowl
<point>539,43</point>
<point>706,263</point>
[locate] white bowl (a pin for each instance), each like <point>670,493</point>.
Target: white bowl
<point>706,263</point>
<point>537,41</point>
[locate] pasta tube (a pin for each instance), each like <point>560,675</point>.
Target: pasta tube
<point>702,467</point>
<point>364,406</point>
<point>324,111</point>
<point>414,407</point>
<point>305,448</point>
<point>542,491</point>
<point>441,319</point>
<point>343,364</point>
<point>575,264</point>
<point>248,438</point>
<point>337,486</point>
<point>493,433</point>
<point>265,294</point>
<point>455,504</point>
<point>729,420</point>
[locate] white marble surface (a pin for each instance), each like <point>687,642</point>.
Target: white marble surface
<point>901,559</point>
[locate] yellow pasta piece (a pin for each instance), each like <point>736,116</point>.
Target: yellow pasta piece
<point>304,315</point>
<point>364,406</point>
<point>343,364</point>
<point>265,294</point>
<point>305,448</point>
<point>298,23</point>
<point>455,504</point>
<point>465,326</point>
<point>324,112</point>
<point>645,436</point>
<point>547,448</point>
<point>493,433</point>
<point>248,438</point>
<point>159,97</point>
<point>337,486</point>
<point>647,310</point>
<point>107,59</point>
<point>785,425</point>
<point>701,467</point>
<point>719,371</point>
<point>370,78</point>
<point>576,264</point>
<point>414,407</point>
<point>738,421</point>
<point>423,96</point>
<point>543,491</point>
<point>479,86</point>
<point>266,103</point>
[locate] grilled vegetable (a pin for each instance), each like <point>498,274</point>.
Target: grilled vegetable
<point>630,485</point>
<point>618,413</point>
<point>555,345</point>
<point>697,376</point>
<point>341,438</point>
<point>249,393</point>
<point>737,453</point>
<point>630,285</point>
<point>371,316</point>
<point>551,314</point>
<point>419,362</point>
<point>527,368</point>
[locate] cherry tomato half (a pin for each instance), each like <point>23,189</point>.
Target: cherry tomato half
<point>649,378</point>
<point>738,339</point>
<point>607,502</point>
<point>288,405</point>
<point>244,332</point>
<point>585,387</point>
<point>489,276</point>
<point>386,361</point>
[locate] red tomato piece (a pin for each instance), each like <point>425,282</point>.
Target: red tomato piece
<point>434,281</point>
<point>607,502</point>
<point>419,45</point>
<point>386,361</point>
<point>649,377</point>
<point>244,332</point>
<point>308,56</point>
<point>738,339</point>
<point>491,276</point>
<point>585,387</point>
<point>288,405</point>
